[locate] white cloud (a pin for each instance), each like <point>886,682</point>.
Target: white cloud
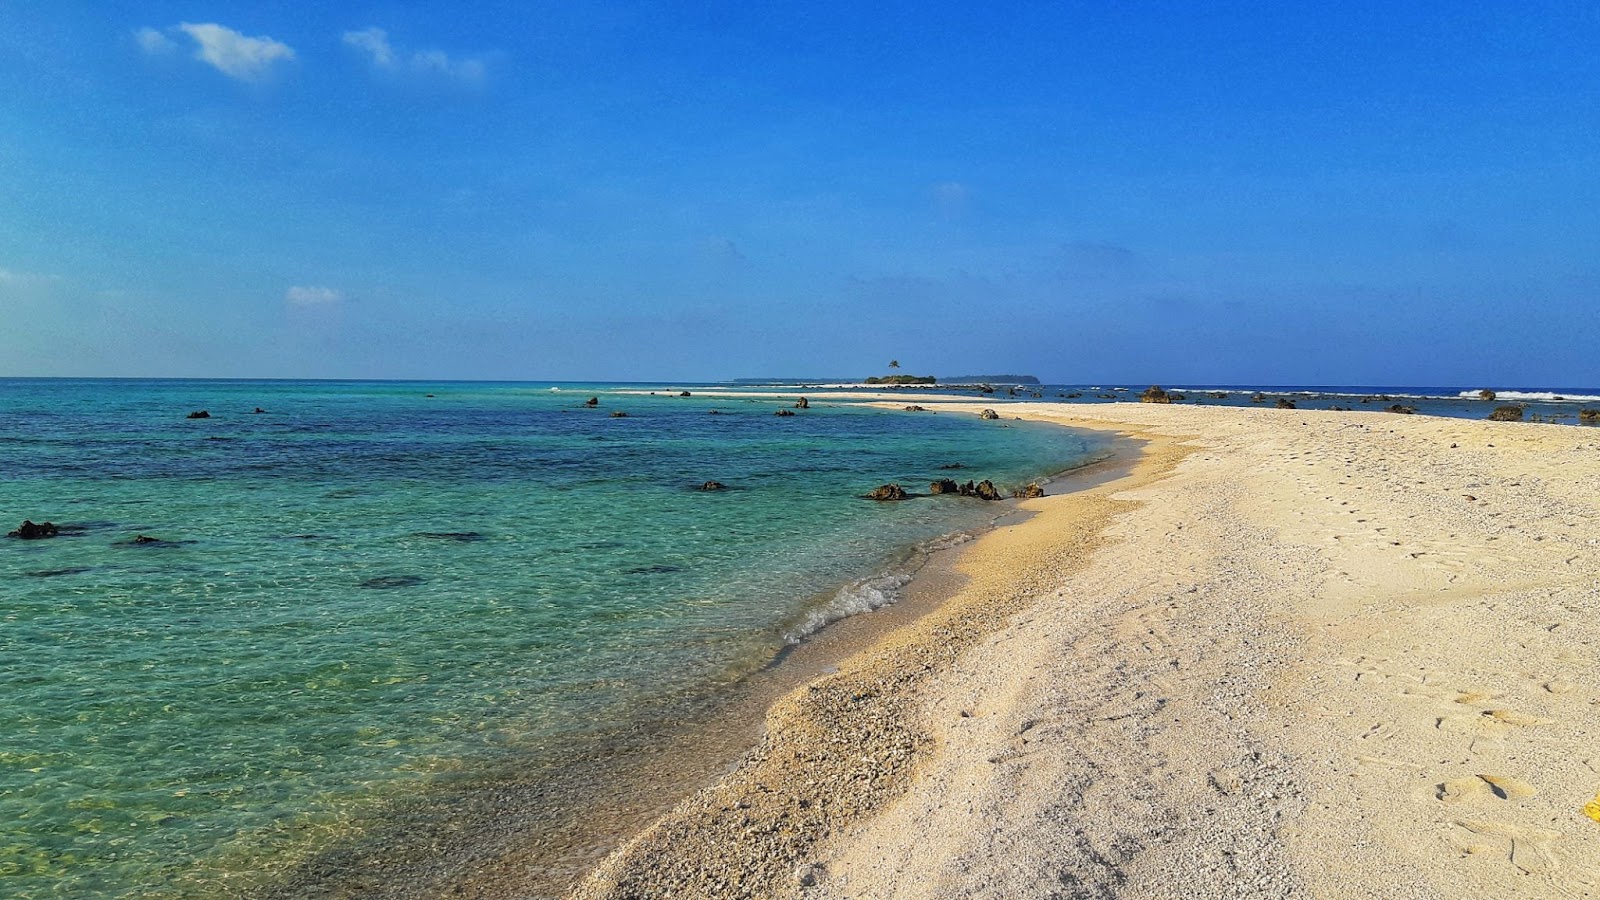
<point>310,295</point>
<point>233,54</point>
<point>154,42</point>
<point>374,42</point>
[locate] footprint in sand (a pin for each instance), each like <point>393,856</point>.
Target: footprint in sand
<point>1474,787</point>
<point>1532,850</point>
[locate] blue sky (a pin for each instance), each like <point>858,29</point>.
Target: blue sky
<point>1248,192</point>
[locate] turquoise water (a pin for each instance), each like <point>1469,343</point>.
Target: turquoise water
<point>365,590</point>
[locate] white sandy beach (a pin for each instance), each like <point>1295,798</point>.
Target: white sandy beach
<point>1295,653</point>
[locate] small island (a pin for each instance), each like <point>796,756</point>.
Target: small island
<point>901,379</point>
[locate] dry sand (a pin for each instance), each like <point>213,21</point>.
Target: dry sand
<point>1295,653</point>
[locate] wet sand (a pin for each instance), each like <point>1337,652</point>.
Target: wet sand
<point>1293,653</point>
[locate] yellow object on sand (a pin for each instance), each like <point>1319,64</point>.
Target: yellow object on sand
<point>1592,808</point>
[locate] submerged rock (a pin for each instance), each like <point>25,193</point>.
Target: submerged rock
<point>784,412</point>
<point>712,486</point>
<point>988,414</point>
<point>1154,394</point>
<point>1412,410</point>
<point>888,492</point>
<point>619,414</point>
<point>199,414</point>
<point>592,402</point>
<point>1506,414</point>
<point>392,581</point>
<point>29,531</point>
<point>1486,394</point>
<point>1589,415</point>
<point>259,411</point>
<point>464,537</point>
<point>1028,493</point>
<point>1258,397</point>
<point>1285,403</point>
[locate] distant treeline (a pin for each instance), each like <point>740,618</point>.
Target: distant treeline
<point>901,379</point>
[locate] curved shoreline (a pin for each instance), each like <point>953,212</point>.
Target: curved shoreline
<point>842,746</point>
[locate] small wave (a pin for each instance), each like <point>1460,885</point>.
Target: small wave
<point>855,598</point>
<point>1536,395</point>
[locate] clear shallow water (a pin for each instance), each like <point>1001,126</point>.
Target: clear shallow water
<point>364,591</point>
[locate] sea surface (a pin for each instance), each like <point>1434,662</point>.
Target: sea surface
<point>261,630</point>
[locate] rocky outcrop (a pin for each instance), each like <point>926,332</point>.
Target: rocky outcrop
<point>712,486</point>
<point>619,414</point>
<point>1154,394</point>
<point>199,414</point>
<point>1285,403</point>
<point>915,408</point>
<point>1402,410</point>
<point>592,402</point>
<point>1218,395</point>
<point>802,403</point>
<point>1510,413</point>
<point>888,492</point>
<point>1028,493</point>
<point>1486,394</point>
<point>29,531</point>
<point>1258,397</point>
<point>944,486</point>
<point>685,394</point>
<point>983,490</point>
<point>1589,415</point>
<point>988,414</point>
<point>784,412</point>
<point>259,411</point>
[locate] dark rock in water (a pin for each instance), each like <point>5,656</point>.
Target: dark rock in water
<point>887,492</point>
<point>1412,410</point>
<point>1285,403</point>
<point>915,408</point>
<point>52,573</point>
<point>1589,415</point>
<point>619,414</point>
<point>1154,394</point>
<point>1258,398</point>
<point>1486,394</point>
<point>1506,414</point>
<point>462,536</point>
<point>29,531</point>
<point>983,490</point>
<point>1029,492</point>
<point>592,402</point>
<point>1218,395</point>
<point>1175,398</point>
<point>802,403</point>
<point>713,412</point>
<point>145,540</point>
<point>953,466</point>
<point>259,411</point>
<point>944,486</point>
<point>199,414</point>
<point>1073,396</point>
<point>712,486</point>
<point>988,414</point>
<point>682,394</point>
<point>652,570</point>
<point>429,396</point>
<point>784,412</point>
<point>392,581</point>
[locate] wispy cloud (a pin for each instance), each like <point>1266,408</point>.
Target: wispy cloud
<point>374,42</point>
<point>229,52</point>
<point>154,42</point>
<point>311,295</point>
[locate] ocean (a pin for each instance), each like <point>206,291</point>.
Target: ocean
<point>262,632</point>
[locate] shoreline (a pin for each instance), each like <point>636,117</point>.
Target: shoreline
<point>498,825</point>
<point>867,693</point>
<point>1160,700</point>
